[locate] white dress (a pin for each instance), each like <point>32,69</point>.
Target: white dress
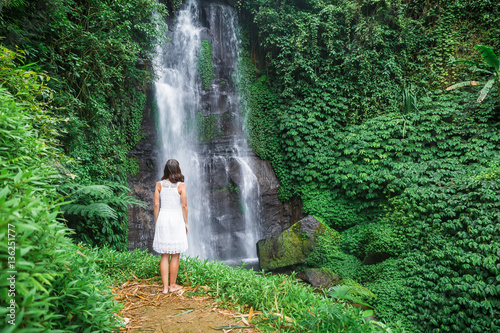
<point>170,233</point>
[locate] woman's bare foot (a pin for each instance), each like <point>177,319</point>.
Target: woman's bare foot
<point>174,287</point>
<point>165,291</point>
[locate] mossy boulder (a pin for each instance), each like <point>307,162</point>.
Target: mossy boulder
<point>292,246</point>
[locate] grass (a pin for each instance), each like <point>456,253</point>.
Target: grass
<point>286,305</point>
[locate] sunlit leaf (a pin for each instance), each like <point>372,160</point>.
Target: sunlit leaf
<point>463,84</point>
<point>485,90</point>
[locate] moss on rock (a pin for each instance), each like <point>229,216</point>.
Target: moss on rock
<point>292,246</point>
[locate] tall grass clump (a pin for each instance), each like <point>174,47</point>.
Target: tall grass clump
<point>46,283</point>
<point>120,266</point>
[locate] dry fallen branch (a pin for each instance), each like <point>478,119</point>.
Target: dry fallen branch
<point>288,319</point>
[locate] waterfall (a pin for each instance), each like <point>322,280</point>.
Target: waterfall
<point>204,131</point>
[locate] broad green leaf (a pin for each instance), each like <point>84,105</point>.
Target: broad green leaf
<point>367,313</point>
<point>489,56</point>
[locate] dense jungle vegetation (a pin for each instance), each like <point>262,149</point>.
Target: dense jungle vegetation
<point>347,100</point>
<point>72,96</point>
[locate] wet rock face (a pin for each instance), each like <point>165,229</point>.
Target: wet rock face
<point>141,220</point>
<point>227,166</point>
<point>276,216</point>
<point>224,180</point>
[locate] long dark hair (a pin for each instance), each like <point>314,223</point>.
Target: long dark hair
<point>172,172</point>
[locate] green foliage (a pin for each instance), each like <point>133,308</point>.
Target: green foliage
<point>438,185</point>
<point>352,292</point>
<point>394,297</point>
<point>332,75</point>
<point>365,239</point>
<point>233,188</point>
<point>120,266</point>
<point>84,297</point>
<point>335,209</point>
<point>98,213</point>
<point>91,50</point>
<point>205,65</point>
<point>327,253</point>
<point>132,166</point>
<point>492,172</point>
<point>55,288</point>
<point>452,237</point>
<point>97,54</point>
<point>491,59</point>
<point>266,292</point>
<point>207,126</point>
<point>359,128</point>
<point>259,108</point>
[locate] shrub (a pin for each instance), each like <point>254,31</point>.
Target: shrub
<point>53,287</point>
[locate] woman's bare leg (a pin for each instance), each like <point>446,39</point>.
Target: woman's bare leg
<point>174,268</point>
<point>164,271</point>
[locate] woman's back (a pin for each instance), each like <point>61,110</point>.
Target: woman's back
<point>169,195</point>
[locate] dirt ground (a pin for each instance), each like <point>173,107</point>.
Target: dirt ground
<point>146,309</point>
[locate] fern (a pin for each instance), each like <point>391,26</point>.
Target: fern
<point>97,210</point>
<point>96,191</point>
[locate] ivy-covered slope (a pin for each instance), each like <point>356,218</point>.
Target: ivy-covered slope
<point>346,99</point>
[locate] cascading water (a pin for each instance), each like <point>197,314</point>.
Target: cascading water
<point>223,196</point>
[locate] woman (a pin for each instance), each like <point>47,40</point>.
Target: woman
<point>171,223</point>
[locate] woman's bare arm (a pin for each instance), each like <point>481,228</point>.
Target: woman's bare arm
<point>182,191</point>
<point>157,201</point>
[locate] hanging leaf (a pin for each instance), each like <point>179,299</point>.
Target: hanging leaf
<point>463,84</point>
<point>479,70</point>
<point>485,90</point>
<point>489,56</point>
